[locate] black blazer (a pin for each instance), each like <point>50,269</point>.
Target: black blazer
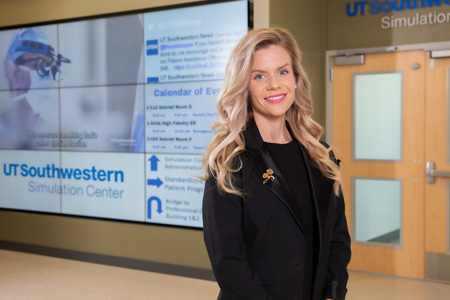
<point>256,243</point>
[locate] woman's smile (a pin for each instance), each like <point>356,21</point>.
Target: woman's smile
<point>276,98</point>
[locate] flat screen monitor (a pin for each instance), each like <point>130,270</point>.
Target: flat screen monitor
<point>108,117</point>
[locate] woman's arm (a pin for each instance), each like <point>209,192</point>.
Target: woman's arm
<point>224,240</point>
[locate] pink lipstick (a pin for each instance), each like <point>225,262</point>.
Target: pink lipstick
<point>275,98</point>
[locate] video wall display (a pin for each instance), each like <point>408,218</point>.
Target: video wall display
<point>110,117</point>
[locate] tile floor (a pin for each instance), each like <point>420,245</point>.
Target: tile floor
<point>29,276</point>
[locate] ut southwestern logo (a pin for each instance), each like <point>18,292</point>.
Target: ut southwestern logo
<point>55,172</point>
<point>152,47</point>
<point>376,6</point>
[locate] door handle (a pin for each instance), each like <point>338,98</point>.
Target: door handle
<point>431,172</point>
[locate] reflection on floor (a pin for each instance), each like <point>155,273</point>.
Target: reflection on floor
<point>30,276</point>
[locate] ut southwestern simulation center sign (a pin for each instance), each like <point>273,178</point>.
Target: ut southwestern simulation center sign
<point>375,7</point>
<point>54,172</point>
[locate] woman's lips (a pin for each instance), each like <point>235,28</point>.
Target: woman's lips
<point>275,98</point>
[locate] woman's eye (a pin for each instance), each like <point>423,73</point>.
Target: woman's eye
<point>284,72</point>
<point>259,76</point>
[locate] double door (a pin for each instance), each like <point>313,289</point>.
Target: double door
<point>390,126</point>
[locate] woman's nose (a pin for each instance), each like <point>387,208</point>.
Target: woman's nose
<point>272,83</point>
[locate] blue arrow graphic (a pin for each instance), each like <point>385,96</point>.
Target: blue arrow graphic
<point>149,206</point>
<point>156,182</point>
<point>153,163</point>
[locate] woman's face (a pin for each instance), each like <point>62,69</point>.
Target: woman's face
<point>272,83</point>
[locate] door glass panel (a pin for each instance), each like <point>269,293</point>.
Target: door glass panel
<point>377,211</point>
<point>377,116</point>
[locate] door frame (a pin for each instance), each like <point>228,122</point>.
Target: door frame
<point>426,47</point>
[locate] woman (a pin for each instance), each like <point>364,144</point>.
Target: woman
<point>274,221</point>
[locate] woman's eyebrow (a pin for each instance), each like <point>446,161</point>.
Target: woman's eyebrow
<point>262,71</point>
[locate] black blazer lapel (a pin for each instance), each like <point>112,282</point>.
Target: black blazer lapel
<point>321,191</point>
<point>262,160</point>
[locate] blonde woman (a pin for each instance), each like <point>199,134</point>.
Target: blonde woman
<point>274,221</point>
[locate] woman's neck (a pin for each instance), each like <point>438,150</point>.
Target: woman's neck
<point>273,131</point>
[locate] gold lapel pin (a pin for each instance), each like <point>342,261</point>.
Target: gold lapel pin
<point>268,175</point>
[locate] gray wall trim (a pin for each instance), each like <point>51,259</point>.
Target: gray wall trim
<point>110,260</point>
<point>447,230</point>
<point>448,116</point>
<point>437,266</point>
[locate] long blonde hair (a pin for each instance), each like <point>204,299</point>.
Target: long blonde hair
<point>235,112</point>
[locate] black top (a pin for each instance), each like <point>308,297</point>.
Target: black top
<point>289,159</point>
